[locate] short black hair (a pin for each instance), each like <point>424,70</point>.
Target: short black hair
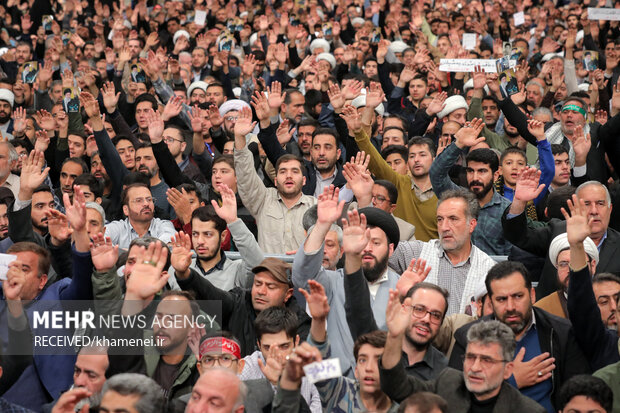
<point>190,187</point>
<point>390,188</point>
<point>424,402</point>
<point>484,155</point>
<point>327,131</point>
<point>275,319</point>
<point>147,97</point>
<point>375,338</point>
<point>557,200</point>
<point>557,149</point>
<point>422,141</point>
<point>589,386</point>
<point>605,277</point>
<point>290,157</point>
<point>135,178</point>
<point>125,193</point>
<point>94,184</point>
<point>78,161</point>
<point>398,149</point>
<point>512,149</point>
<point>430,286</point>
<point>207,213</point>
<point>504,269</point>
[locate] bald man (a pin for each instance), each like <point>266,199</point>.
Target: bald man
<point>217,386</point>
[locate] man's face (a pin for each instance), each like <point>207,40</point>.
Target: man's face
<point>453,224</point>
<point>214,392</point>
<point>512,302</point>
<point>339,55</point>
<point>215,96</point>
<point>230,119</point>
<point>197,96</point>
<point>479,178</point>
<point>198,59</point>
<point>33,284</point>
<point>534,94</point>
<point>484,376</point>
<point>269,292</point>
<point>134,48</point>
<point>94,223</point>
<point>599,211</point>
<point>294,110</point>
<point>142,109</point>
<point>22,153</point>
<point>422,331</point>
<point>572,22</point>
<point>397,163</point>
<point>223,174</point>
<point>279,343</point>
<point>206,239</point>
<point>381,199</point>
<point>172,336</point>
<point>89,371</point>
<point>459,116</point>
<point>140,205</point>
<point>304,139</point>
<point>562,170</point>
<point>570,118</point>
<point>5,112</point>
<point>420,160</point>
<point>583,404</point>
<point>370,69</point>
<point>367,368</point>
<point>606,293</point>
<point>22,54</point>
<point>324,153</point>
<point>146,163</point>
<point>393,137</point>
<point>511,166</point>
<point>417,89</point>
<point>68,173</point>
<point>449,129</point>
<point>113,402</point>
<point>443,44</point>
<point>97,169</point>
<point>331,251</point>
<point>376,254</point>
<point>289,178</point>
<point>4,221</point>
<point>89,51</point>
<point>173,138</point>
<point>76,146</point>
<point>42,202</point>
<point>5,167</point>
<point>127,153</point>
<point>490,112</point>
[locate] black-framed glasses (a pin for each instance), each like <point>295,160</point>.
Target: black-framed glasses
<point>485,361</point>
<point>225,360</point>
<point>419,311</point>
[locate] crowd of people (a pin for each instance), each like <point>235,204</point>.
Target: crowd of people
<point>419,193</point>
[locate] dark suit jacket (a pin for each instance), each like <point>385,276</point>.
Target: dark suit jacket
<point>537,241</point>
<point>451,386</point>
<point>556,337</point>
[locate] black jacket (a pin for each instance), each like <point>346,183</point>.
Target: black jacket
<point>238,314</point>
<point>537,241</point>
<point>556,337</point>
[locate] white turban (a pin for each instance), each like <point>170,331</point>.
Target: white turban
<point>560,243</point>
<point>328,57</point>
<point>199,84</point>
<point>360,102</point>
<point>453,103</point>
<point>7,95</point>
<point>233,104</point>
<point>178,34</point>
<point>319,43</point>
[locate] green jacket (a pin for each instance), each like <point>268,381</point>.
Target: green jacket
<point>611,375</point>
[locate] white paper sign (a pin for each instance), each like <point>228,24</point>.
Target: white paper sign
<point>603,14</point>
<point>323,370</point>
<point>519,18</point>
<point>5,260</point>
<point>466,65</point>
<point>469,41</point>
<point>200,18</point>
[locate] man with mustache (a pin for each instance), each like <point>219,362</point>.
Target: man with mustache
<point>482,172</point>
<point>147,165</point>
<point>139,206</point>
<point>546,354</point>
<point>384,235</point>
<point>7,100</point>
<point>481,387</point>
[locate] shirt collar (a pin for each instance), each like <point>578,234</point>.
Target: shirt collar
<point>442,253</point>
<point>331,177</point>
<point>382,279</point>
<point>219,266</point>
<point>600,244</point>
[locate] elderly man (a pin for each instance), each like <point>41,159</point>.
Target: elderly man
<point>487,364</point>
<point>218,387</point>
<point>537,241</point>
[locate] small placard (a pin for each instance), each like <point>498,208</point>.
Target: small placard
<point>5,260</point>
<point>469,41</point>
<point>519,18</point>
<point>603,14</point>
<point>323,370</point>
<point>200,18</point>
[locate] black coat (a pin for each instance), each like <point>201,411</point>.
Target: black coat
<point>556,337</point>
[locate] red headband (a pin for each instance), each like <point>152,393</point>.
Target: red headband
<point>220,345</point>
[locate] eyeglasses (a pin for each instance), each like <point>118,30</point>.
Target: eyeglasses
<point>167,140</point>
<point>148,200</point>
<point>419,311</point>
<point>379,198</point>
<point>224,361</point>
<point>486,362</point>
<point>231,118</point>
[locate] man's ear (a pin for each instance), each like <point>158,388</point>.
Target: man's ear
<point>496,175</point>
<point>199,367</point>
<point>240,365</point>
<point>533,295</point>
<point>42,281</point>
<point>125,210</point>
<point>288,295</point>
<point>223,235</point>
<point>392,208</point>
<point>508,370</point>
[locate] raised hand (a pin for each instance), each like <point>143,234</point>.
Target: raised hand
<point>437,104</point>
<point>469,135</point>
<point>336,98</point>
<point>261,106</point>
<point>172,108</point>
<point>414,274</point>
<point>352,90</point>
<point>103,253</point>
<point>577,222</point>
<point>527,188</point>
<point>179,201</point>
<point>359,179</point>
<point>374,95</point>
<point>14,283</point>
<point>228,210</point>
<point>45,120</point>
<point>407,75</point>
<point>147,276</point>
<point>244,124</point>
<point>195,117</point>
<point>90,105</point>
<point>110,98</point>
<point>76,210</point>
<point>19,120</point>
<point>581,145</point>
<point>32,174</point>
<point>479,77</point>
<point>275,96</point>
<point>352,118</point>
<point>215,117</point>
<point>181,257</point>
<point>58,227</point>
<point>317,300</point>
<point>156,126</point>
<point>536,128</point>
<point>329,210</point>
<point>355,234</point>
<point>397,315</point>
<point>284,133</point>
<point>272,367</point>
